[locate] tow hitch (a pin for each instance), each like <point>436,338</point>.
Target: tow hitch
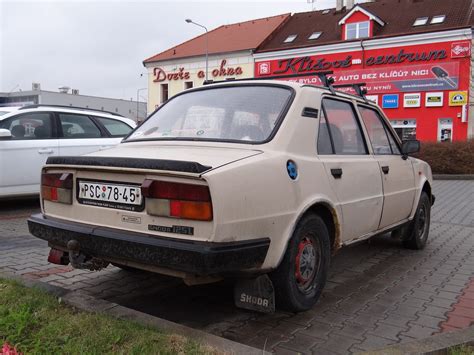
<point>79,260</point>
<point>256,294</point>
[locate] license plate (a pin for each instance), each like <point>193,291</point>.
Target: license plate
<point>110,194</point>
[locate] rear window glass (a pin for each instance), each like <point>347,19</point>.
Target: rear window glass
<point>238,113</point>
<point>116,128</point>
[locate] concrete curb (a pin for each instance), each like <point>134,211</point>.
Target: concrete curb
<point>433,345</point>
<point>453,177</point>
<point>90,304</point>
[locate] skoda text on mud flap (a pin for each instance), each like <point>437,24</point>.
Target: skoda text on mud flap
<point>262,181</point>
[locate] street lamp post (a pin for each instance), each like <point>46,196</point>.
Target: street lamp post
<point>138,93</point>
<point>188,20</point>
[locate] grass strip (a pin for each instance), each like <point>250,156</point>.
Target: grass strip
<point>37,323</point>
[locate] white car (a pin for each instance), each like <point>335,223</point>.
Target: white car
<point>7,109</point>
<point>31,134</point>
<point>261,180</point>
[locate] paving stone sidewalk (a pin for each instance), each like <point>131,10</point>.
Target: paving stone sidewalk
<point>378,293</point>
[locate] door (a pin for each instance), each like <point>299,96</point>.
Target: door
<point>79,135</point>
<point>353,173</point>
<point>445,130</point>
<point>397,171</point>
<point>34,139</point>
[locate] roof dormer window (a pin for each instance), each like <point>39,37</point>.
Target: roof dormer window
<point>357,30</point>
<point>438,19</point>
<point>290,38</point>
<point>420,21</point>
<point>315,35</point>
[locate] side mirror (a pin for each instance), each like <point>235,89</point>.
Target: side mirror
<point>5,134</point>
<point>410,147</point>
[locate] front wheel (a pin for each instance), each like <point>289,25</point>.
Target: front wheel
<point>301,276</point>
<point>416,234</point>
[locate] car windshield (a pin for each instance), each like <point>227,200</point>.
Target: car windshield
<point>234,113</point>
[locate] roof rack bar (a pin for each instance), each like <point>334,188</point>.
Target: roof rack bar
<point>70,107</point>
<point>358,88</point>
<point>322,75</point>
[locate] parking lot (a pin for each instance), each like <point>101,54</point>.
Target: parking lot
<point>378,293</point>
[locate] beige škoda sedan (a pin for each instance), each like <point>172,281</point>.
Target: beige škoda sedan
<point>259,180</point>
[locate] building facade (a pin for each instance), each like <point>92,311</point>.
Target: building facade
<point>168,78</point>
<point>230,56</point>
<point>414,56</point>
<point>131,109</point>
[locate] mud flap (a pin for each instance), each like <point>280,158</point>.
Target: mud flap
<point>256,294</point>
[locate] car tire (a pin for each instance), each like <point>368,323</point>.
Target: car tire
<point>416,234</point>
<point>300,278</point>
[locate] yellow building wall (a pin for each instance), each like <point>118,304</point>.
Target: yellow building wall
<point>193,67</point>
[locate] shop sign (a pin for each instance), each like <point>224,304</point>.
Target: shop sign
<point>434,99</point>
<point>161,75</point>
<point>222,71</point>
<point>416,78</point>
<point>457,98</point>
<point>373,98</point>
<point>412,100</point>
<point>310,64</point>
<point>461,49</point>
<point>390,101</point>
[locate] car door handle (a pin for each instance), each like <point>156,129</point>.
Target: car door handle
<point>45,151</point>
<point>337,173</point>
<point>103,147</point>
<point>385,169</point>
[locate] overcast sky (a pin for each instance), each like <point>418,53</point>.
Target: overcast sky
<point>98,46</point>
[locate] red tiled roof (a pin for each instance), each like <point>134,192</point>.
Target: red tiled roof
<point>398,15</point>
<point>226,38</point>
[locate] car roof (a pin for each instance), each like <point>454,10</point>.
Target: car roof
<point>295,85</point>
<point>46,108</point>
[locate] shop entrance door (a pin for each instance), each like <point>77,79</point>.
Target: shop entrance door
<point>445,130</point>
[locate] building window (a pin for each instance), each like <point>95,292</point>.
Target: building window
<point>164,93</point>
<point>420,21</point>
<point>357,30</point>
<point>290,38</point>
<point>188,85</point>
<point>406,129</point>
<point>315,35</point>
<point>438,19</point>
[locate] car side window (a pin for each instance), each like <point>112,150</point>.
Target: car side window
<point>340,128</point>
<point>78,126</point>
<point>116,128</point>
<point>378,133</point>
<point>28,126</point>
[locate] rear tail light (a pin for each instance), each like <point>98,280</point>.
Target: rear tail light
<point>57,187</point>
<point>170,199</point>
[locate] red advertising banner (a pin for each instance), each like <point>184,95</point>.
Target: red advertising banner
<point>413,78</point>
<point>416,68</point>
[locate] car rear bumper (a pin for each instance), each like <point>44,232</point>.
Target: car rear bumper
<point>201,258</point>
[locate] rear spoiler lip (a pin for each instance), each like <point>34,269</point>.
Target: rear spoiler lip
<point>130,163</point>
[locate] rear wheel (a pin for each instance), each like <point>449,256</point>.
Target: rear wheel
<point>416,234</point>
<point>302,274</point>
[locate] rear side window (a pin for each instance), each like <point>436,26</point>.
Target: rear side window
<point>382,141</point>
<point>115,128</point>
<point>78,126</point>
<point>339,131</point>
<point>35,125</point>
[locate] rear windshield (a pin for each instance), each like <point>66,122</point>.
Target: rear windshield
<point>237,113</point>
